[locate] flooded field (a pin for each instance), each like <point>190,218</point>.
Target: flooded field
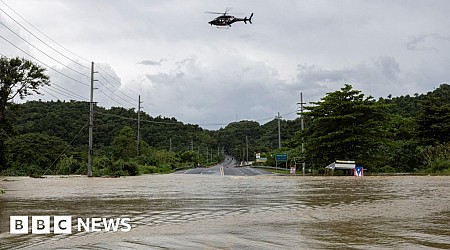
<point>207,212</point>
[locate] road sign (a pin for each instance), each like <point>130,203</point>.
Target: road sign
<point>281,157</point>
<point>293,168</point>
<point>261,159</point>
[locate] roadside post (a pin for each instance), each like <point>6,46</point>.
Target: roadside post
<point>293,169</point>
<point>281,158</point>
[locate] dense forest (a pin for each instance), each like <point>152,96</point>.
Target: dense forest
<point>52,138</point>
<point>393,134</point>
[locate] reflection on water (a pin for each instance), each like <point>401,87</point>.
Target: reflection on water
<point>265,212</point>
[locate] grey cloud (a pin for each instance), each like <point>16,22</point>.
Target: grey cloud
<point>426,42</point>
<point>165,77</point>
<point>382,68</point>
<point>374,76</point>
<point>152,62</point>
<point>211,74</point>
<point>219,93</point>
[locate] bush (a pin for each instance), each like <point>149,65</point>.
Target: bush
<point>131,168</point>
<point>19,169</point>
<point>153,169</point>
<point>440,165</point>
<point>387,169</point>
<point>68,165</point>
<point>147,169</point>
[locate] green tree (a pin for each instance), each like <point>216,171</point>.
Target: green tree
<point>345,125</point>
<point>433,119</point>
<point>33,153</point>
<point>124,144</point>
<point>18,78</point>
<point>234,135</point>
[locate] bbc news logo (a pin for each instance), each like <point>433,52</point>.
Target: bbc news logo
<point>63,224</point>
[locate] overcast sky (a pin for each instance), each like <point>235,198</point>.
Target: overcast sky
<point>182,67</point>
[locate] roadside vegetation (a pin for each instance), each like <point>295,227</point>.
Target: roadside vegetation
<point>394,134</point>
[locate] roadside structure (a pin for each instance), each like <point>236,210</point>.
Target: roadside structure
<point>347,166</point>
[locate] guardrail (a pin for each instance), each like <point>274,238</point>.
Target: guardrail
<point>270,167</point>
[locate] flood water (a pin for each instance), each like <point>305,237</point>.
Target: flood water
<point>210,211</point>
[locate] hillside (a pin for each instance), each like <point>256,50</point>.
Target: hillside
<point>43,133</point>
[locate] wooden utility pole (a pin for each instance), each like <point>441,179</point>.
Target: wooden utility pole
<point>91,122</point>
<point>302,126</point>
<point>138,147</point>
<point>246,143</point>
<point>279,131</point>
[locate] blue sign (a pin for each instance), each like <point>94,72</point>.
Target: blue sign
<point>281,157</point>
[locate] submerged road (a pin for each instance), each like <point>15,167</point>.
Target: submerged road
<point>228,167</point>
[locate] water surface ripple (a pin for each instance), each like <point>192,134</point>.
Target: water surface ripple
<point>210,211</point>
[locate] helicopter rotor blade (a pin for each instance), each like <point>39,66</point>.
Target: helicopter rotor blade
<point>210,12</point>
<point>227,10</point>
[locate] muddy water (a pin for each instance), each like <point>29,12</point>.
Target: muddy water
<point>208,212</point>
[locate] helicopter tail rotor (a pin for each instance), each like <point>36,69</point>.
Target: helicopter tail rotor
<point>248,19</point>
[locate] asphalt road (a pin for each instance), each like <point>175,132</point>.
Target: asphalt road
<point>228,167</point>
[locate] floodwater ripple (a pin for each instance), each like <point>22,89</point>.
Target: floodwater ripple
<point>263,212</point>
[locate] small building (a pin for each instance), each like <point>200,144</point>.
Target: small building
<point>347,166</point>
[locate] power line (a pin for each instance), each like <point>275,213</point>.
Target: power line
<point>134,119</point>
<point>114,100</point>
<point>112,77</point>
<point>70,143</point>
<point>42,51</point>
<point>76,62</point>
<point>42,62</point>
<point>66,92</point>
<point>41,33</point>
<point>121,104</point>
<point>116,89</point>
<point>49,93</point>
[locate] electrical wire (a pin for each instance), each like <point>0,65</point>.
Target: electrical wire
<point>101,91</point>
<point>76,62</point>
<point>112,77</point>
<point>66,92</point>
<point>142,120</point>
<point>43,62</point>
<point>49,93</point>
<point>118,90</point>
<point>23,39</point>
<point>70,143</point>
<point>84,66</point>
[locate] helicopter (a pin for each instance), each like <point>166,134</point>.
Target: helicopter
<point>226,20</point>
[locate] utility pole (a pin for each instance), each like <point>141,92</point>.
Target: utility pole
<point>302,126</point>
<point>246,142</point>
<point>170,144</point>
<point>91,122</point>
<point>138,147</point>
<point>279,131</point>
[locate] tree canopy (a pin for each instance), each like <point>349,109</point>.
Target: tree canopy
<point>19,78</point>
<point>345,126</point>
<point>400,134</point>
